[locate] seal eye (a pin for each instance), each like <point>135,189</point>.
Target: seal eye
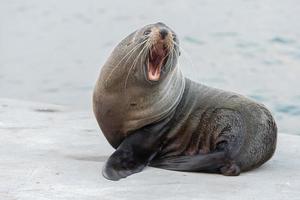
<point>147,32</point>
<point>174,37</point>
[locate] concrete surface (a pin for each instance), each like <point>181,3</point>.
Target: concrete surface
<point>53,152</point>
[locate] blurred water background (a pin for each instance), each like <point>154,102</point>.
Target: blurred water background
<point>52,50</point>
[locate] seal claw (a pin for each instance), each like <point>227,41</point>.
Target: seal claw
<point>231,170</point>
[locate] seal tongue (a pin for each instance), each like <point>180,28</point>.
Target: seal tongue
<point>155,62</point>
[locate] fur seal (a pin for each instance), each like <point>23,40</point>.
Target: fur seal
<point>152,115</point>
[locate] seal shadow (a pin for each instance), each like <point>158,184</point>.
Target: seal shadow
<point>46,110</point>
<point>88,158</point>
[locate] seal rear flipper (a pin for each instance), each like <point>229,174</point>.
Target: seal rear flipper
<point>211,162</point>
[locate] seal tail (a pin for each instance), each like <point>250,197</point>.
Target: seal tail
<point>211,162</point>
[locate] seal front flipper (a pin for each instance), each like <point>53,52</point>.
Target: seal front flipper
<point>136,151</point>
<point>121,164</point>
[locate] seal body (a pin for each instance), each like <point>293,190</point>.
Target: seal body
<point>152,115</point>
<point>209,119</point>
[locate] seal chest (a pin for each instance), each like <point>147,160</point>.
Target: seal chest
<point>152,115</point>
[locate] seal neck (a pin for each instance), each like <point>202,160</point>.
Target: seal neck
<point>154,103</point>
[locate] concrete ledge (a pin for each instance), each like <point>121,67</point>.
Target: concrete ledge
<point>52,152</point>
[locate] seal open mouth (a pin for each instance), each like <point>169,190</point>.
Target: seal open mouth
<point>157,59</point>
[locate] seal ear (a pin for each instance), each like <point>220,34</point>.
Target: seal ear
<point>160,24</point>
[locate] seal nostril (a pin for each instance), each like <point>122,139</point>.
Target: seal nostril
<point>163,33</point>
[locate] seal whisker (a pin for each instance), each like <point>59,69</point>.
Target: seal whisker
<point>166,56</point>
<point>172,59</point>
<point>128,55</point>
<point>142,43</point>
<point>133,65</point>
<point>132,53</point>
<point>188,57</point>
